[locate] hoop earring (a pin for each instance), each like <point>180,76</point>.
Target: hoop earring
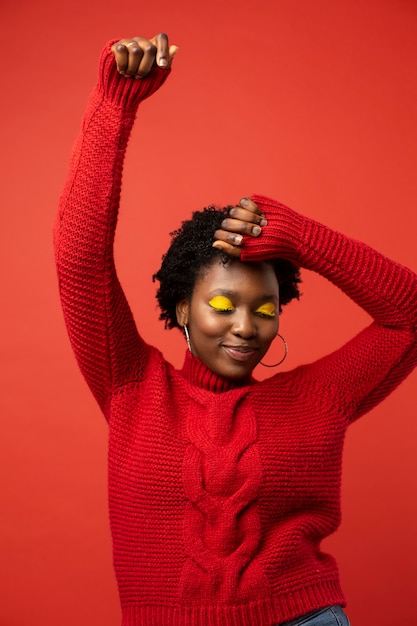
<point>283,358</point>
<point>187,337</point>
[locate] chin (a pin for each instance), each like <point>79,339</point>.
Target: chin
<point>235,373</point>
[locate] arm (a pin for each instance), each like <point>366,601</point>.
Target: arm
<point>374,362</point>
<point>100,325</point>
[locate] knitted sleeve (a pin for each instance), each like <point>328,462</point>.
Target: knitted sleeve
<point>100,325</point>
<point>373,363</point>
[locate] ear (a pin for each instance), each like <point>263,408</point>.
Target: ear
<point>182,310</point>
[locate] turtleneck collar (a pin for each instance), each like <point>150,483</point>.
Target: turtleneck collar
<point>197,373</point>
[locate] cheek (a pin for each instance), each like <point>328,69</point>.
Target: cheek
<point>212,325</point>
<point>270,332</point>
<point>206,323</point>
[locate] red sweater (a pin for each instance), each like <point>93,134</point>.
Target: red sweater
<point>220,494</point>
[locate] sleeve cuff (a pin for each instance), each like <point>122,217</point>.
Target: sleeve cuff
<point>282,236</point>
<point>126,92</point>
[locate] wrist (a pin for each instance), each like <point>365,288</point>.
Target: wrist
<point>280,238</point>
<point>126,92</point>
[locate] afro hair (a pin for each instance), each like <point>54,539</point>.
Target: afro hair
<point>191,251</point>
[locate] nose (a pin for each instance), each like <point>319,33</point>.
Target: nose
<point>244,325</point>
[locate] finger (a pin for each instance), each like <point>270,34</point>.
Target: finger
<point>239,226</point>
<point>227,248</point>
<point>172,52</point>
<point>165,52</point>
<point>235,239</point>
<point>250,205</point>
<point>246,215</point>
<point>148,59</point>
<point>162,49</point>
<point>120,52</point>
<point>135,56</point>
<point>128,54</point>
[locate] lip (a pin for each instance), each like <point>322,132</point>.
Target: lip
<point>240,353</point>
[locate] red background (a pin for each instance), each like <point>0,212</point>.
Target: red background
<point>309,101</point>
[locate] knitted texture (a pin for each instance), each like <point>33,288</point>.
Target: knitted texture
<point>219,494</point>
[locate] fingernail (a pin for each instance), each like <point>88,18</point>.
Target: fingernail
<point>244,202</point>
<point>162,62</point>
<point>216,245</point>
<point>238,239</point>
<point>263,222</point>
<point>256,230</point>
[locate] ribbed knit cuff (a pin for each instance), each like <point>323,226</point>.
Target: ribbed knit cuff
<point>281,238</point>
<point>126,92</point>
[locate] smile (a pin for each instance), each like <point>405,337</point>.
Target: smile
<point>239,353</point>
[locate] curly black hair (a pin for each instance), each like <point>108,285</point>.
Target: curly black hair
<point>191,251</point>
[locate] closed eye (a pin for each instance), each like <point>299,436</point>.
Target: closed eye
<point>267,310</point>
<point>221,304</point>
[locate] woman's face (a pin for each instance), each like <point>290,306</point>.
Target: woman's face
<point>232,316</point>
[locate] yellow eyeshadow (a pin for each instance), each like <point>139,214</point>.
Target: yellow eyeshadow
<point>268,309</point>
<point>221,303</point>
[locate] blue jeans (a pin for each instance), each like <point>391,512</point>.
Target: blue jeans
<point>332,616</point>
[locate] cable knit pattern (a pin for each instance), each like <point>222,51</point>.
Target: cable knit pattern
<point>222,476</point>
<point>220,492</point>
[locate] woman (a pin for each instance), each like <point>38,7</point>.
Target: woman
<point>221,488</point>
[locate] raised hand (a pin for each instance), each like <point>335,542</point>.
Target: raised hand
<point>135,57</point>
<point>244,219</point>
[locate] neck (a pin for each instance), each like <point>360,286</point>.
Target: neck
<point>197,373</point>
